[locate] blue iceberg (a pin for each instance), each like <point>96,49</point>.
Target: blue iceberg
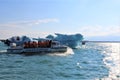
<point>72,41</point>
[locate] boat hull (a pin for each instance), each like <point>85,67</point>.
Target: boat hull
<point>37,50</point>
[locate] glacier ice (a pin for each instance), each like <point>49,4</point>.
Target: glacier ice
<point>70,40</point>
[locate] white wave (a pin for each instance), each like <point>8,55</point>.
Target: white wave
<point>2,51</point>
<point>69,52</point>
<point>78,65</point>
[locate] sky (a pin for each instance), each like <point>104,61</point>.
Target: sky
<point>94,19</point>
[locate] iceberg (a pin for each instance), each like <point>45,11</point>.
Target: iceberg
<point>72,41</point>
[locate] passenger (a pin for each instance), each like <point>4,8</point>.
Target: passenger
<point>50,42</point>
<point>29,44</point>
<point>18,38</point>
<point>46,44</point>
<point>34,44</point>
<point>42,44</point>
<point>26,45</point>
<point>39,44</point>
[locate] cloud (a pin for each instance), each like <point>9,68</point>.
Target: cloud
<point>20,32</point>
<point>29,23</point>
<point>100,30</point>
<point>18,28</point>
<point>36,22</point>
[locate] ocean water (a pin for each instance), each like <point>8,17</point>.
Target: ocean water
<point>94,61</point>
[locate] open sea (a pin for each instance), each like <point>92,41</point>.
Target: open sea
<point>93,61</point>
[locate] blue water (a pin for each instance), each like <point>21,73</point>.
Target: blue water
<point>94,61</point>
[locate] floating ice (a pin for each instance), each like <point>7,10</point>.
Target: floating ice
<point>72,41</point>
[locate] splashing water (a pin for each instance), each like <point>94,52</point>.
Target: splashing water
<point>3,51</point>
<point>3,48</point>
<point>69,52</point>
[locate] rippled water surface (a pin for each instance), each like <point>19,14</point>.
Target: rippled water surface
<point>94,61</point>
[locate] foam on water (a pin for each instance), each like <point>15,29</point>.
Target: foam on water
<point>3,47</point>
<point>69,52</point>
<point>2,51</point>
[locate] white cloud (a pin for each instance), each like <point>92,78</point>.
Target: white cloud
<point>18,28</point>
<point>20,32</point>
<point>29,23</point>
<point>36,22</point>
<point>100,30</point>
